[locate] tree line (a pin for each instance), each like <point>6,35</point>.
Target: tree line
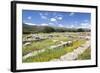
<point>47,29</point>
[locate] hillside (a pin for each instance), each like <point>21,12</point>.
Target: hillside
<point>47,29</point>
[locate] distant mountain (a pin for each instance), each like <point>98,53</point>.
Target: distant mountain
<point>36,29</point>
<point>47,29</point>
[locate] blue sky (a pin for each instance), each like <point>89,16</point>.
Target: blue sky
<point>59,19</point>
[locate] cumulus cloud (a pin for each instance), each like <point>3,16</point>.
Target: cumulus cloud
<point>29,17</point>
<point>53,19</point>
<point>43,16</point>
<point>60,18</point>
<point>30,24</point>
<point>44,24</point>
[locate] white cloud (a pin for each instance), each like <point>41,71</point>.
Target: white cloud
<point>82,25</point>
<point>43,16</point>
<point>60,18</point>
<point>60,25</point>
<point>52,19</point>
<point>44,24</point>
<point>72,26</point>
<point>30,24</point>
<point>71,14</point>
<point>29,17</point>
<point>85,25</point>
<point>51,23</point>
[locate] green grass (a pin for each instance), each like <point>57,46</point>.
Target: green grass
<point>85,55</point>
<point>53,54</point>
<point>46,56</point>
<point>42,44</point>
<point>37,46</point>
<point>75,45</point>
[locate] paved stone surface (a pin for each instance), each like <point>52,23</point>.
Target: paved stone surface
<point>34,53</point>
<point>69,56</point>
<point>74,55</point>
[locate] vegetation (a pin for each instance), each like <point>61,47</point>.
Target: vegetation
<point>54,36</point>
<point>37,45</point>
<point>27,29</point>
<point>48,29</point>
<point>85,55</point>
<point>56,53</point>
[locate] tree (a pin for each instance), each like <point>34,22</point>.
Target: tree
<point>80,30</point>
<point>48,29</point>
